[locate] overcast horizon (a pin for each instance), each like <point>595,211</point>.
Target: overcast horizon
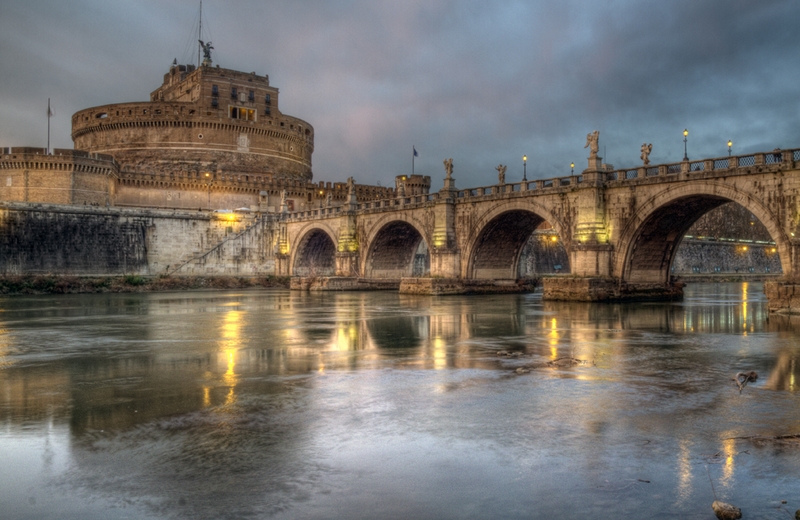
<point>483,83</point>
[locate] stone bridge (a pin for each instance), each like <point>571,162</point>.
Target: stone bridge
<point>621,229</point>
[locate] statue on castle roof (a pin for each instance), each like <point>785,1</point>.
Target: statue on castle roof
<point>206,50</point>
<point>448,167</point>
<point>593,143</point>
<point>646,149</point>
<point>328,199</point>
<point>351,186</point>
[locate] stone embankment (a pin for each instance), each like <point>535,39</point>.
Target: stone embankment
<point>48,284</point>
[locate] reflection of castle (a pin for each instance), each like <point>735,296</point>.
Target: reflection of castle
<point>209,138</point>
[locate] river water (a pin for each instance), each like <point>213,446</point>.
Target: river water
<point>278,404</point>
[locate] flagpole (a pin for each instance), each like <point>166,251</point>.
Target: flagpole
<point>48,126</point>
<point>413,150</point>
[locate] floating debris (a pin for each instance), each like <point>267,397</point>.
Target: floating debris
<point>742,378</point>
<point>725,511</point>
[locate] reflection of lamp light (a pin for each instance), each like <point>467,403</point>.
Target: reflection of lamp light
<point>524,168</point>
<point>685,135</point>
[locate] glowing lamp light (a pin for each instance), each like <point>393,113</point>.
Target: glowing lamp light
<point>554,238</point>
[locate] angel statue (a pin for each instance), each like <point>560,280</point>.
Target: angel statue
<point>206,50</point>
<point>351,186</point>
<point>328,199</point>
<point>448,167</point>
<point>646,149</point>
<point>283,197</point>
<point>592,142</point>
<point>501,174</point>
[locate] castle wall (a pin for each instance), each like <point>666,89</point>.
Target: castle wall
<point>63,177</point>
<point>87,240</point>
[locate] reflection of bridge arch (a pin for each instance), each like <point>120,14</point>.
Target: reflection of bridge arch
<point>395,249</point>
<point>315,253</point>
<point>500,234</point>
<point>648,243</point>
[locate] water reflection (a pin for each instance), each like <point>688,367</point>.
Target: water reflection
<point>291,391</point>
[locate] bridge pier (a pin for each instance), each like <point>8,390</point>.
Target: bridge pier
<point>607,289</point>
<point>783,296</point>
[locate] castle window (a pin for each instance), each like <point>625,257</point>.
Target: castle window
<point>214,90</point>
<point>251,96</point>
<point>246,114</point>
<point>234,94</point>
<point>214,102</point>
<point>267,111</point>
<point>268,100</point>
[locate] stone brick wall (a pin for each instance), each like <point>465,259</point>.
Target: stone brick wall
<point>87,240</point>
<point>63,177</point>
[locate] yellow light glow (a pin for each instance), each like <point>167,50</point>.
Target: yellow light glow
<point>685,133</point>
<point>744,248</point>
<point>730,143</point>
<point>773,250</point>
<point>554,238</point>
<point>524,157</point>
<point>439,354</point>
<point>728,448</point>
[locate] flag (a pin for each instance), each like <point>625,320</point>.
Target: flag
<point>50,112</point>
<point>415,151</point>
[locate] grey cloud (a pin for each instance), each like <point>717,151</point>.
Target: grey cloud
<point>480,82</point>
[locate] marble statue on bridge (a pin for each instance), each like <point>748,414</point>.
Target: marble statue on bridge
<point>448,167</point>
<point>646,149</point>
<point>593,143</point>
<point>501,174</point>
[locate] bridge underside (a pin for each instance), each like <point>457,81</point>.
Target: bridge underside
<point>316,255</point>
<point>654,248</point>
<point>496,254</point>
<point>398,251</point>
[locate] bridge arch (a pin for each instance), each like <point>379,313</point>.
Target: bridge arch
<point>649,241</point>
<point>314,253</point>
<point>494,247</point>
<point>396,248</point>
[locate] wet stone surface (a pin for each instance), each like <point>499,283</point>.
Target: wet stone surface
<point>278,404</point>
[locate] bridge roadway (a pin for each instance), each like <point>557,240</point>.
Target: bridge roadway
<point>621,229</point>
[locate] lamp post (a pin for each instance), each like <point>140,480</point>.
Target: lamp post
<point>208,185</point>
<point>730,143</point>
<point>572,168</point>
<point>685,135</point>
<point>524,168</point>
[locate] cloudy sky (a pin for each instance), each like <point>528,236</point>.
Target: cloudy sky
<point>481,82</point>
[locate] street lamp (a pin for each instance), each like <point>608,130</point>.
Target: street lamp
<point>524,168</point>
<point>208,185</point>
<point>730,143</point>
<point>572,168</point>
<point>685,135</point>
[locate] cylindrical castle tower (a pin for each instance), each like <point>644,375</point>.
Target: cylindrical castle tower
<point>208,138</point>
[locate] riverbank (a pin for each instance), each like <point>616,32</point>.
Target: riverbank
<point>59,284</point>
